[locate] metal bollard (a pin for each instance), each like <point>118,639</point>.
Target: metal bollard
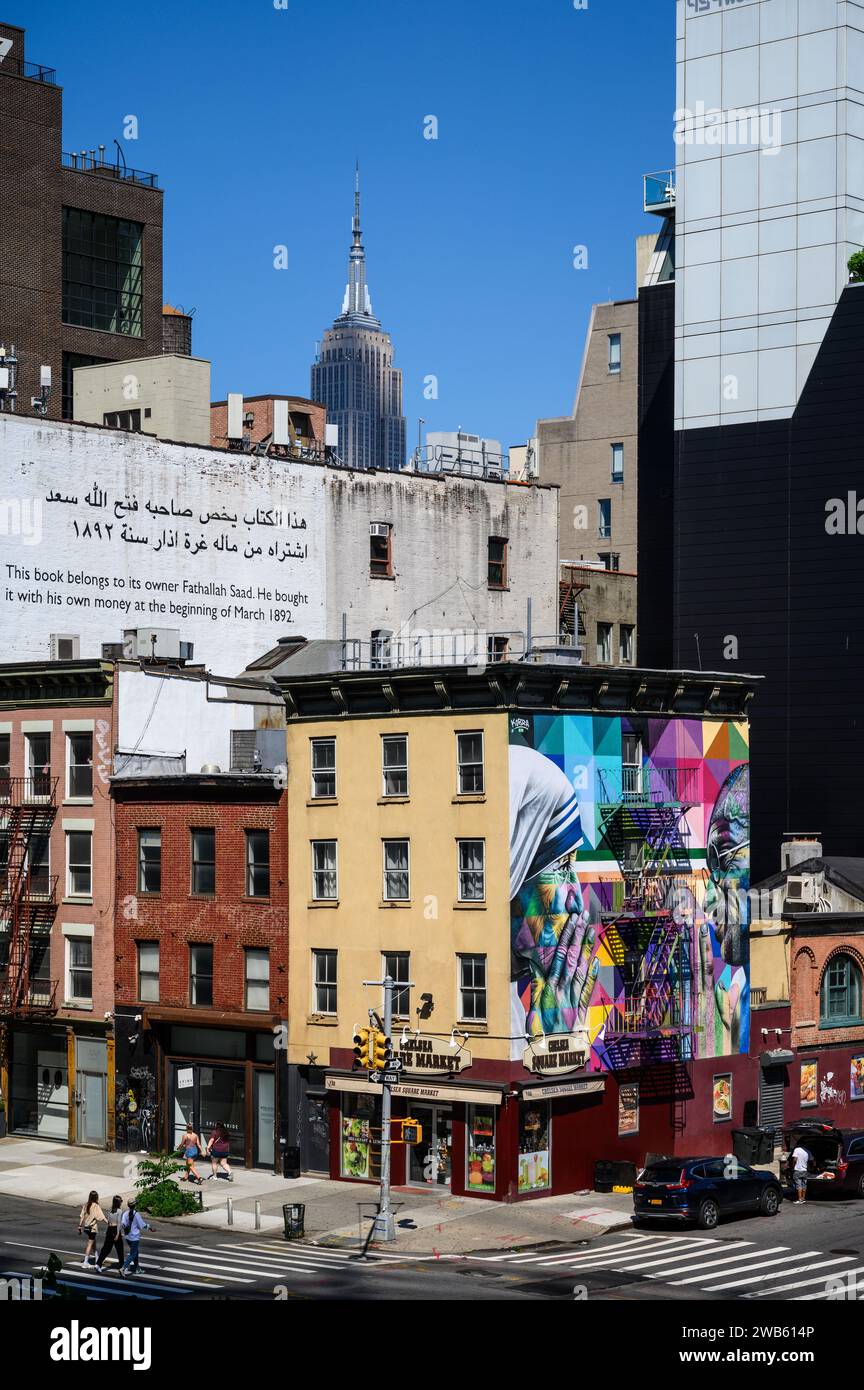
<point>230,1205</point>
<point>257,1216</point>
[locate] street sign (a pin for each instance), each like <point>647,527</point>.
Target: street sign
<point>386,1078</point>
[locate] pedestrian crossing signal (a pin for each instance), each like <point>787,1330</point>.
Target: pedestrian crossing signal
<point>381,1050</point>
<point>362,1048</point>
<point>412,1132</point>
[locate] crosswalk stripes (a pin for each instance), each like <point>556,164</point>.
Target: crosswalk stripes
<point>736,1268</point>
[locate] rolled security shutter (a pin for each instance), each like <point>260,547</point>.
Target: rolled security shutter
<point>772,1082</point>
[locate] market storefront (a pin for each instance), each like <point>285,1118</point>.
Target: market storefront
<point>58,1083</point>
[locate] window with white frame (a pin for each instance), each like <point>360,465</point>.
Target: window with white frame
<point>79,863</point>
<point>627,644</point>
<point>397,964</point>
<point>614,353</point>
<point>604,643</point>
<point>323,768</point>
<point>469,760</point>
<point>397,876</point>
<point>472,871</point>
<point>325,877</point>
<point>257,963</point>
<point>472,989</point>
<point>150,860</point>
<point>617,463</point>
<point>38,751</point>
<point>394,765</point>
<point>324,982</point>
<point>79,766</point>
<point>604,518</point>
<point>148,972</point>
<point>201,974</point>
<point>79,969</point>
<point>257,863</point>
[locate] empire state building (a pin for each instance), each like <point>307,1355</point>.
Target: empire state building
<point>354,375</point>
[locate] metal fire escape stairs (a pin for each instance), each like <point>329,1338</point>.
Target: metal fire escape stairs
<point>28,899</point>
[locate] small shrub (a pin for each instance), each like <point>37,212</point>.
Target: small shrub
<point>167,1199</point>
<point>159,1168</point>
<point>856,266</point>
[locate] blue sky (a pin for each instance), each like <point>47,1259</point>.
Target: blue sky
<point>252,118</point>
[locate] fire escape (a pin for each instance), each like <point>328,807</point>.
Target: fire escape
<point>28,894</point>
<point>649,913</point>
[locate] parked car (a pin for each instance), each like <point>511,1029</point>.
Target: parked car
<point>702,1190</point>
<point>838,1155</point>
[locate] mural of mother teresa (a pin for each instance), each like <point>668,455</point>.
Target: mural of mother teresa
<point>550,931</point>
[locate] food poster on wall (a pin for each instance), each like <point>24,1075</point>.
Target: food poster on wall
<point>809,1083</point>
<point>628,1109</point>
<point>856,1082</point>
<point>629,875</point>
<point>481,1149</point>
<point>722,1098</point>
<point>357,1136</point>
<point>534,1165</point>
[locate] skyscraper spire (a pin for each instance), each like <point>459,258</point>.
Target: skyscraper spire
<point>357,301</point>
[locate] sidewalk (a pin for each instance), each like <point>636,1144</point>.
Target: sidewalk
<point>426,1222</point>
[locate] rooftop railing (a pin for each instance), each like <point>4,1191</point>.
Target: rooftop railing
<point>93,162</point>
<point>18,67</point>
<point>659,191</point>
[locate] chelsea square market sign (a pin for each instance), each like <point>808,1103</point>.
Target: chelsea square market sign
<point>557,1054</point>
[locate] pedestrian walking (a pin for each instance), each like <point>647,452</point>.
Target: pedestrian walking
<point>113,1236</point>
<point>801,1160</point>
<point>218,1149</point>
<point>132,1227</point>
<point>88,1225</point>
<point>191,1147</point>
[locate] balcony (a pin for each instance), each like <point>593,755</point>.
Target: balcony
<point>17,67</point>
<point>659,193</point>
<point>93,162</point>
<point>648,786</point>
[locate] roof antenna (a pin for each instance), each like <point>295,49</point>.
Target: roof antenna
<point>698,650</point>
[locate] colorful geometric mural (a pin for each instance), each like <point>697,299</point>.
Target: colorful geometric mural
<point>629,874</point>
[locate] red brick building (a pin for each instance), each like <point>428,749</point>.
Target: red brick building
<point>307,423</point>
<point>201,955</point>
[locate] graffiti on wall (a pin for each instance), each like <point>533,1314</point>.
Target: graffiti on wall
<point>629,873</point>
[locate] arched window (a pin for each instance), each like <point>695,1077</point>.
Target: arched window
<point>841,992</point>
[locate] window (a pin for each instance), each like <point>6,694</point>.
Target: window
<point>497,562</point>
<point>79,969</point>
<point>397,965</point>
<point>614,353</point>
<point>472,989</point>
<point>40,969</point>
<point>617,463</point>
<point>469,760</point>
<point>39,866</point>
<point>324,977</point>
<point>4,862</point>
<point>257,979</point>
<point>381,549</point>
<point>102,273</point>
<point>257,863</point>
<point>497,648</point>
<point>122,419</point>
<point>79,767</point>
<point>604,644</point>
<point>79,863</point>
<point>626,644</point>
<point>149,861</point>
<point>71,360</point>
<point>325,881</point>
<point>323,767</point>
<point>631,767</point>
<point>472,871</point>
<point>38,748</point>
<point>394,765</point>
<point>396,872</point>
<point>148,972</point>
<point>5,741</point>
<point>201,975</point>
<point>841,992</point>
<point>204,863</point>
<point>604,518</point>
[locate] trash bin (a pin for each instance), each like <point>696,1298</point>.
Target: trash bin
<point>753,1144</point>
<point>291,1161</point>
<point>610,1173</point>
<point>767,1141</point>
<point>294,1216</point>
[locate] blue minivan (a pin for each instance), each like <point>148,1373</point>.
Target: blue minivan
<point>702,1190</point>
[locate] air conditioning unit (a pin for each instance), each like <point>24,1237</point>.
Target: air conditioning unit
<point>158,643</point>
<point>65,646</point>
<point>802,890</point>
<point>379,528</point>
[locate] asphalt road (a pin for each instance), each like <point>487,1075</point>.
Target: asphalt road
<point>789,1257</point>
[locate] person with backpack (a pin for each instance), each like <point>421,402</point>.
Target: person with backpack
<point>133,1227</point>
<point>88,1225</point>
<point>113,1236</point>
<point>218,1149</point>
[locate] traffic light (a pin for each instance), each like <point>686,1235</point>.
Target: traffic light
<point>382,1050</point>
<point>362,1044</point>
<point>412,1132</point>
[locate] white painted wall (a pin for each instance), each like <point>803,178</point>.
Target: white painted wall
<point>296,578</point>
<point>170,716</point>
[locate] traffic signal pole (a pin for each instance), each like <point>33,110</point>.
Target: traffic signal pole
<point>385,1224</point>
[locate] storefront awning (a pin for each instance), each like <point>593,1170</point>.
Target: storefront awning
<point>565,1088</point>
<point>420,1090</point>
<point>780,1057</point>
<point>215,1018</point>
